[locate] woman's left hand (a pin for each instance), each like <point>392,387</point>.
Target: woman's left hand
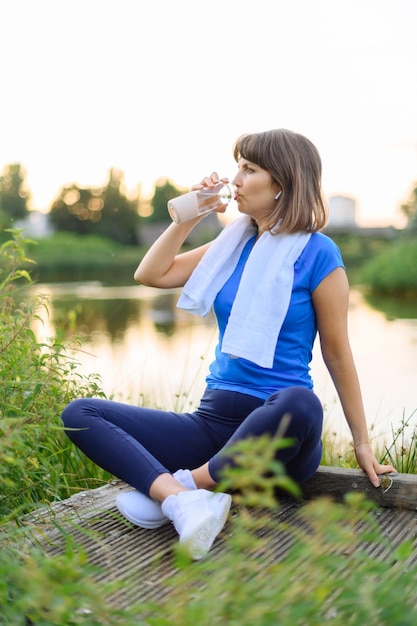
<point>368,462</point>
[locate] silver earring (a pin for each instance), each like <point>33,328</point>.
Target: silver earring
<point>278,194</point>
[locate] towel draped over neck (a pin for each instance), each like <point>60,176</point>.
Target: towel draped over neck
<point>264,291</point>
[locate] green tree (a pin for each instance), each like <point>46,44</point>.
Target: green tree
<point>75,210</point>
<point>120,214</point>
<point>14,195</point>
<point>410,211</point>
<point>102,211</point>
<point>164,191</point>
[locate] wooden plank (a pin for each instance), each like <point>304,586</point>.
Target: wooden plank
<point>396,490</point>
<point>142,561</point>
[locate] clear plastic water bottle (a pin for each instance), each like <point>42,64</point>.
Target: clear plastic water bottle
<point>200,202</point>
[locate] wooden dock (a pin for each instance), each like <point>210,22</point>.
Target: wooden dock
<point>142,559</point>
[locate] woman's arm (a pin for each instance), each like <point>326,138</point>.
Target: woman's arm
<point>331,300</point>
<point>162,266</point>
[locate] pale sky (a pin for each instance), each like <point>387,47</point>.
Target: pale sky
<point>164,87</point>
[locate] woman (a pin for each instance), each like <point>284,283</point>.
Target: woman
<point>274,281</point>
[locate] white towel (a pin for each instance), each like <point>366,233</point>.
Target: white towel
<point>264,292</point>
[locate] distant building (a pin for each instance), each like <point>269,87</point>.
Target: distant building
<point>36,225</point>
<point>342,212</point>
<point>342,220</point>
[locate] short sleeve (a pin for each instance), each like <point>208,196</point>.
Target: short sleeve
<point>321,259</point>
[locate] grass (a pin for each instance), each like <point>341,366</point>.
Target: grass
<point>402,452</point>
<point>37,464</point>
<point>325,578</point>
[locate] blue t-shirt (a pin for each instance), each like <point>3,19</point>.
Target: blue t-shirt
<point>293,351</point>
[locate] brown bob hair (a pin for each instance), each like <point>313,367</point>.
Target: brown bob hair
<point>295,164</point>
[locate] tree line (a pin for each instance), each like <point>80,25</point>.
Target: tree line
<point>107,210</point>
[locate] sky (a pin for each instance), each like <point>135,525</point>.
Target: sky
<point>163,88</point>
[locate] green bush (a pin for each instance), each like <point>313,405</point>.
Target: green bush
<point>357,249</point>
<point>38,465</point>
<point>70,257</point>
<point>326,577</point>
<point>37,462</point>
<point>394,271</point>
<point>321,580</point>
<point>42,590</point>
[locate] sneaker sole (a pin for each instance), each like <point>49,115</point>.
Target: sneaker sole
<point>149,524</point>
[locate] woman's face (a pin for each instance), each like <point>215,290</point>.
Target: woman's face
<point>256,191</point>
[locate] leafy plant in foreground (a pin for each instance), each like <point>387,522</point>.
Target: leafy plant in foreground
<point>325,577</point>
<point>37,463</point>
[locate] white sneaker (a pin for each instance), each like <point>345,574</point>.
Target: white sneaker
<point>145,512</point>
<point>198,517</point>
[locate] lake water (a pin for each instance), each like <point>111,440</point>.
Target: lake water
<point>147,351</point>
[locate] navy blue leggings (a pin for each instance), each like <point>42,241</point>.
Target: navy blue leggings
<point>137,444</point>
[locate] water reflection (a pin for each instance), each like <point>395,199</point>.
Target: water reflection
<point>148,351</point>
<point>393,308</point>
<point>142,346</point>
<point>113,316</point>
<point>89,316</point>
<point>385,352</point>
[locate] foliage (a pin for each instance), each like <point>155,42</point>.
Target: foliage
<point>14,196</point>
<point>357,250</point>
<point>102,211</point>
<point>37,464</point>
<point>321,580</point>
<point>325,576</point>
<point>164,191</point>
<point>410,211</point>
<point>393,271</point>
<point>69,257</point>
<point>45,590</point>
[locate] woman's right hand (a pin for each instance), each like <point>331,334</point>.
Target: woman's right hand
<point>208,182</point>
<point>163,266</point>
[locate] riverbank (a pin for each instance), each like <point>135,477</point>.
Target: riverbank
<point>388,266</point>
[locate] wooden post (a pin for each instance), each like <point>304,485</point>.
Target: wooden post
<point>396,490</point>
